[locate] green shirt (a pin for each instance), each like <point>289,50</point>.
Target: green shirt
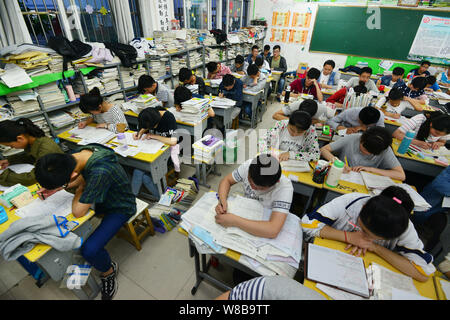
<point>41,147</point>
<point>275,63</point>
<point>107,184</point>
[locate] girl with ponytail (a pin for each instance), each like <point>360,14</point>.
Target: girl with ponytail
<point>23,134</point>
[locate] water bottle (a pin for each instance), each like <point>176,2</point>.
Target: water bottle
<point>122,140</point>
<point>334,174</point>
<point>287,94</point>
<point>409,136</point>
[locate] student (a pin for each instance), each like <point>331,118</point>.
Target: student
<point>159,124</point>
<point>329,78</point>
<point>240,65</point>
<point>415,89</point>
<point>357,119</point>
<point>431,128</point>
<point>339,96</point>
<point>101,181</point>
<point>252,56</point>
<point>444,78</point>
<point>262,180</point>
<point>217,70</point>
<point>104,113</point>
<point>395,104</point>
<point>364,76</point>
<point>379,224</point>
<point>266,53</point>
<point>23,134</point>
<point>182,94</point>
<point>262,65</point>
<point>271,288</point>
<point>432,84</point>
<point>296,138</point>
<point>278,63</point>
<point>187,77</point>
<point>370,151</point>
<point>253,82</point>
<point>231,88</point>
<point>391,80</point>
<point>315,110</point>
<point>422,71</point>
<point>147,85</point>
<point>308,85</point>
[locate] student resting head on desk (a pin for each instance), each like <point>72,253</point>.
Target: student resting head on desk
<point>231,88</point>
<point>339,96</point>
<point>104,113</point>
<point>23,134</point>
<point>431,128</point>
<point>308,85</point>
<point>262,180</point>
<point>182,94</point>
<point>432,84</point>
<point>364,76</point>
<point>395,78</point>
<point>357,119</point>
<point>98,178</point>
<point>444,78</point>
<point>148,85</point>
<point>394,104</point>
<point>217,70</point>
<point>187,77</point>
<point>315,110</point>
<point>296,138</point>
<point>329,78</point>
<point>370,151</point>
<point>380,224</point>
<point>240,65</point>
<point>414,92</point>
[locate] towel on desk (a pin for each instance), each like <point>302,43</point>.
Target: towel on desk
<point>23,234</point>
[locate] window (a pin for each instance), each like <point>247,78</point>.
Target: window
<point>42,19</point>
<point>214,15</point>
<point>135,18</point>
<point>234,17</point>
<point>178,11</point>
<point>245,13</point>
<point>224,15</point>
<point>198,14</point>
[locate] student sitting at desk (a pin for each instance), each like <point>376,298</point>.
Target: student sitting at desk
<point>370,151</point>
<point>329,78</point>
<point>432,129</point>
<point>266,53</point>
<point>104,113</point>
<point>252,56</point>
<point>159,124</point>
<point>422,71</point>
<point>217,70</point>
<point>357,119</point>
<point>278,63</point>
<point>414,90</point>
<point>263,65</point>
<point>101,181</point>
<point>364,76</point>
<point>240,65</point>
<point>23,134</point>
<point>308,85</point>
<point>182,94</point>
<point>394,104</point>
<point>296,138</point>
<point>262,180</point>
<point>393,79</point>
<point>188,78</point>
<point>339,96</point>
<point>432,84</point>
<point>147,85</point>
<point>253,82</point>
<point>444,78</point>
<point>378,224</point>
<point>315,110</point>
<point>231,88</point>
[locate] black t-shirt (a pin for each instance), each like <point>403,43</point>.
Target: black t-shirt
<point>201,85</point>
<point>166,126</point>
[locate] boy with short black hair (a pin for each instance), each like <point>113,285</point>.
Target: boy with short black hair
<point>182,94</point>
<point>240,65</point>
<point>432,84</point>
<point>357,119</point>
<point>391,80</point>
<point>422,71</point>
<point>364,76</point>
<point>148,85</point>
<point>231,88</point>
<point>217,70</point>
<point>253,82</point>
<point>252,56</point>
<point>187,77</point>
<point>308,85</point>
<point>315,110</point>
<point>262,180</point>
<point>329,78</point>
<point>266,53</point>
<point>394,103</point>
<point>262,64</point>
<point>278,63</point>
<point>414,92</point>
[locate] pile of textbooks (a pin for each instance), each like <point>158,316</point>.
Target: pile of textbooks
<point>145,101</point>
<point>60,119</point>
<point>22,106</point>
<point>158,68</point>
<point>192,111</point>
<point>109,79</point>
<point>207,148</point>
<point>51,95</point>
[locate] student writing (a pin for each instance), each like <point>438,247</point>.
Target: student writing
<point>231,88</point>
<point>394,104</point>
<point>148,85</point>
<point>315,110</point>
<point>393,79</point>
<point>308,85</point>
<point>187,78</point>
<point>240,65</point>
<point>422,71</point>
<point>357,119</point>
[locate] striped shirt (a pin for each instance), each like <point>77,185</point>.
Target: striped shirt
<point>111,117</point>
<point>414,124</point>
<point>249,290</point>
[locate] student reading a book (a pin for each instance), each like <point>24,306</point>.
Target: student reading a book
<point>240,65</point>
<point>159,124</point>
<point>217,70</point>
<point>271,288</point>
<point>23,134</point>
<point>432,84</point>
<point>266,53</point>
<point>148,85</point>
<point>395,78</point>
<point>278,63</point>
<point>357,119</point>
<point>394,104</point>
<point>296,138</point>
<point>262,180</point>
<point>315,110</point>
<point>104,113</point>
<point>253,82</point>
<point>339,96</point>
<point>308,85</point>
<point>370,151</point>
<point>231,88</point>
<point>188,78</point>
<point>99,179</point>
<point>422,71</point>
<point>182,94</point>
<point>329,78</point>
<point>364,76</point>
<point>252,56</point>
<point>379,224</point>
<point>432,129</point>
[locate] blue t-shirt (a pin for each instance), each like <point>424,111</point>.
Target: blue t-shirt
<point>386,81</point>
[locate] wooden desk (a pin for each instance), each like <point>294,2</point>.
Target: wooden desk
<point>426,289</point>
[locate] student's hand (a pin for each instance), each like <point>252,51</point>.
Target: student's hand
<point>352,130</point>
<point>437,145</point>
<point>283,156</point>
<point>245,86</point>
<point>178,108</point>
<point>221,95</point>
<point>315,82</point>
<point>358,242</point>
<point>360,168</point>
<point>255,81</point>
<point>222,208</point>
<point>137,135</point>
<point>396,115</point>
<point>102,126</point>
<point>82,125</point>
<point>225,220</point>
<point>423,144</point>
<point>150,136</point>
<point>4,164</point>
<point>347,169</point>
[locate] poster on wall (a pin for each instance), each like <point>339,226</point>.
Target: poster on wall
<point>432,41</point>
<point>163,14</point>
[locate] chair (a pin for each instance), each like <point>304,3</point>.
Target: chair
<point>138,226</point>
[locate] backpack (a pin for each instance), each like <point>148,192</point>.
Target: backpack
<point>219,35</point>
<point>126,53</point>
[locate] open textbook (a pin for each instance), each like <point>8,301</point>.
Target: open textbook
<point>92,135</point>
<point>59,203</point>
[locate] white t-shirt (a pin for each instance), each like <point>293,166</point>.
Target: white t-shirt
<point>324,78</point>
<point>414,123</point>
<point>288,109</point>
<point>389,108</point>
<point>277,198</point>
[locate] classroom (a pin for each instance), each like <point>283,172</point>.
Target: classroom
<point>199,150</point>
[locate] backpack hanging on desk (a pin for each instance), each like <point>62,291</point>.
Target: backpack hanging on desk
<point>219,35</point>
<point>126,53</point>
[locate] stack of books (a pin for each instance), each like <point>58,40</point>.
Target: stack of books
<point>158,68</point>
<point>195,58</point>
<point>41,123</point>
<point>60,119</point>
<point>178,63</point>
<point>193,111</point>
<point>20,106</point>
<point>353,101</point>
<point>214,54</point>
<point>109,79</point>
<point>51,95</point>
<point>207,149</point>
<point>137,73</point>
<point>35,63</point>
<point>145,101</point>
<point>92,83</point>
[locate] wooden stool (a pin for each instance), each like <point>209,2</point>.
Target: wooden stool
<point>141,220</point>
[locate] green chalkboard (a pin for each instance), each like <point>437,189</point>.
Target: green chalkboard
<point>343,29</point>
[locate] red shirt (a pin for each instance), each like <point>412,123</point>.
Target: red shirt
<point>298,86</point>
<point>339,96</point>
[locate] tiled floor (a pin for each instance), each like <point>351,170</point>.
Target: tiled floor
<point>161,270</point>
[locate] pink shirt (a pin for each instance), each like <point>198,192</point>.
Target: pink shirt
<point>223,71</point>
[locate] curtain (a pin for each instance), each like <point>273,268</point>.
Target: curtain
<point>122,16</point>
<point>146,18</point>
<point>13,30</point>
